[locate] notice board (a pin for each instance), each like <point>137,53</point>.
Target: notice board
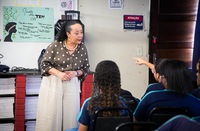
<point>28,24</point>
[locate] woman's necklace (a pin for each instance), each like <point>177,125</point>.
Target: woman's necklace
<point>71,49</point>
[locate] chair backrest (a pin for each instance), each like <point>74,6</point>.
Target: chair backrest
<point>110,123</point>
<point>159,115</point>
<point>136,126</point>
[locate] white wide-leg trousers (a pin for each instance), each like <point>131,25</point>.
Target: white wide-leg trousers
<point>58,104</point>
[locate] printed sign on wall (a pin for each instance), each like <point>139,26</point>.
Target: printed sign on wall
<point>134,22</point>
<point>28,24</point>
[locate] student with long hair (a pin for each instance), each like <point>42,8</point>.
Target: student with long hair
<point>105,93</point>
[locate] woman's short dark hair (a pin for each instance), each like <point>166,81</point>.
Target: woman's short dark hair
<point>178,76</point>
<point>66,28</point>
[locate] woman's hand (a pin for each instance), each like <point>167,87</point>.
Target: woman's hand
<point>70,74</point>
<point>64,76</point>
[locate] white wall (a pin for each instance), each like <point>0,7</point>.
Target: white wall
<point>104,38</point>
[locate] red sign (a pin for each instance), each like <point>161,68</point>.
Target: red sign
<point>133,22</point>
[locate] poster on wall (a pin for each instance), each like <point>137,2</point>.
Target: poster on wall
<point>134,22</point>
<point>68,5</point>
<point>28,24</point>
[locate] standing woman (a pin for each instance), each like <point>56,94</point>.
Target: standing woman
<point>65,64</point>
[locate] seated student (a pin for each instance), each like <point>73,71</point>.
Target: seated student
<point>180,123</point>
<point>105,93</point>
<point>196,92</point>
<point>155,70</point>
<point>177,80</point>
<point>130,100</point>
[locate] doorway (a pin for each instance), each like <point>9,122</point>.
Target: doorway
<point>172,27</point>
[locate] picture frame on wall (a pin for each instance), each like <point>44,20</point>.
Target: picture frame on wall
<point>116,4</point>
<point>67,5</point>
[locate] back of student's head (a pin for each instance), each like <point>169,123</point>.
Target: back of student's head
<point>106,86</point>
<point>157,68</point>
<point>107,77</point>
<point>158,65</point>
<point>178,76</point>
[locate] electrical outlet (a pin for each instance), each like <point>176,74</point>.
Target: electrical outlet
<point>139,51</point>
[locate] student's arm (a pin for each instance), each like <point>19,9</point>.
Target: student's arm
<point>82,127</point>
<point>141,61</point>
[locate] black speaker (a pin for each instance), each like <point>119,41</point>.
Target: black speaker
<point>4,68</point>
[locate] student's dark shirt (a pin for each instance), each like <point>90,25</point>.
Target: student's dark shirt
<point>86,118</point>
<point>154,87</point>
<point>166,98</point>
<point>196,92</point>
<point>125,93</point>
<point>197,119</point>
<point>180,123</point>
<point>131,101</point>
